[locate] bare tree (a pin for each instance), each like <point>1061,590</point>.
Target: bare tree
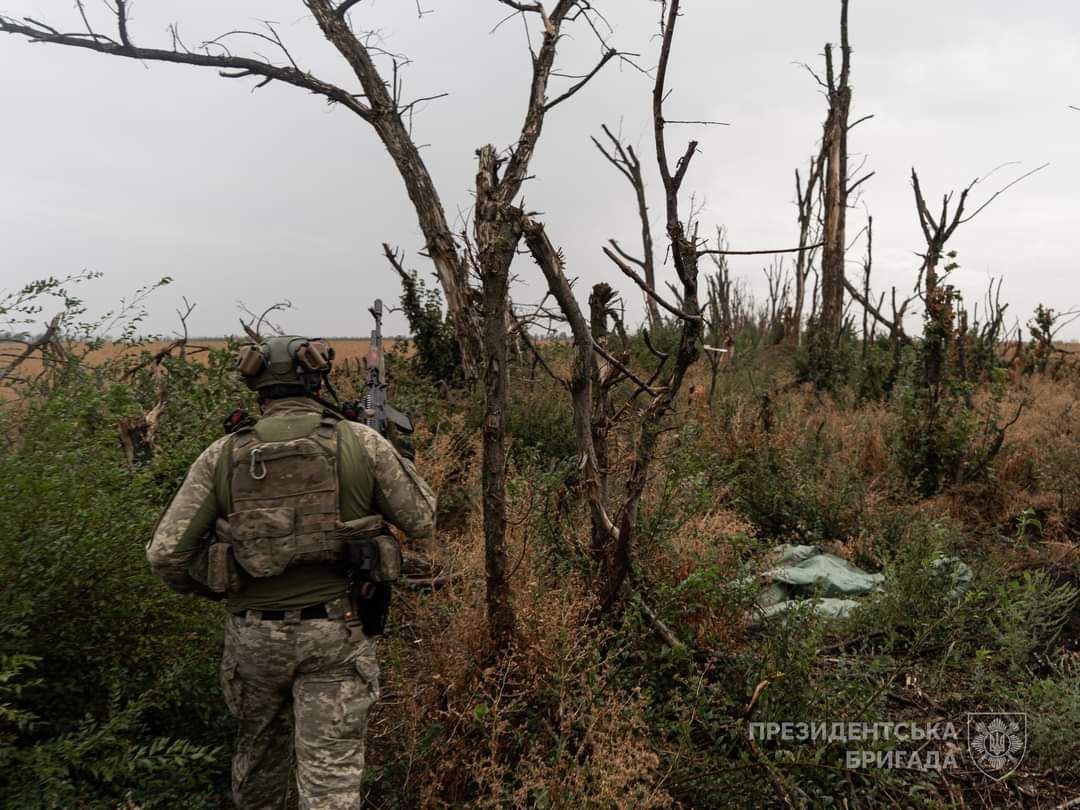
<point>613,538</point>
<point>499,226</point>
<point>938,229</point>
<point>779,313</point>
<point>868,264</point>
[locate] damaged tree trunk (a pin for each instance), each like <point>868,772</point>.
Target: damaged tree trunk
<point>498,231</point>
<point>625,159</point>
<point>602,413</point>
<point>836,190</point>
<point>685,256</point>
<point>806,199</point>
<point>584,370</point>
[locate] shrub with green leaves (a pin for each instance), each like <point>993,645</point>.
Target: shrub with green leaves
<point>920,604</point>
<point>802,492</point>
<point>110,687</point>
<point>941,437</point>
<point>1027,618</point>
<point>438,355</point>
<point>1052,704</point>
<point>540,420</point>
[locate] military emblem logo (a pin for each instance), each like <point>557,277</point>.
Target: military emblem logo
<point>997,741</point>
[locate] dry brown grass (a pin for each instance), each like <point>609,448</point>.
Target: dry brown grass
<point>440,674</point>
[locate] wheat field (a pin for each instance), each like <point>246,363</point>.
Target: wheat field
<point>348,360</point>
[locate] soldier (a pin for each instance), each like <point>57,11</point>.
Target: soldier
<point>263,521</point>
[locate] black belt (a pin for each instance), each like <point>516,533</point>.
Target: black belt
<point>312,612</point>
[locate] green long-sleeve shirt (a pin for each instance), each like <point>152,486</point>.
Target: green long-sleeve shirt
<point>372,479</point>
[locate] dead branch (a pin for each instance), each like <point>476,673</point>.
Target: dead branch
<point>538,106</point>
<point>228,66</point>
<point>343,9</point>
<point>649,291</point>
<point>1001,191</point>
<point>609,54</point>
<point>998,441</point>
<point>937,230</point>
<point>253,328</point>
<point>523,331</point>
<point>626,161</point>
<point>726,252</point>
<point>805,200</point>
<point>666,634</point>
<point>626,372</point>
<point>47,337</point>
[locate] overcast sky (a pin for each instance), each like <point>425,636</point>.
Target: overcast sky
<point>146,170</point>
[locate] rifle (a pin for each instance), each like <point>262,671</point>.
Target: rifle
<point>378,413</point>
<point>370,597</point>
<point>372,409</point>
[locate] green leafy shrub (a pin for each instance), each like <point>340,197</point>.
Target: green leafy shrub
<point>539,419</point>
<point>829,366</point>
<point>1027,618</point>
<point>919,603</point>
<point>1052,704</point>
<point>438,356</point>
<point>942,438</point>
<point>132,706</point>
<point>932,440</point>
<point>800,492</point>
<point>689,476</point>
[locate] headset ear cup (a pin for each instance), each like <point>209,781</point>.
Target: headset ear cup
<point>326,353</point>
<point>250,362</point>
<point>311,358</point>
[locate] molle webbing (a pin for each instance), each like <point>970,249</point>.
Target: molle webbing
<point>284,495</point>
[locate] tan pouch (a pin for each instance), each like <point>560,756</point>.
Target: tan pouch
<point>222,571</point>
<point>216,568</point>
<point>374,553</point>
<point>262,539</point>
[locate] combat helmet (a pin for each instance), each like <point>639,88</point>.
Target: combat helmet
<point>285,365</point>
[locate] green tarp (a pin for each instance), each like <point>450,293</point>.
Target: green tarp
<point>799,573</point>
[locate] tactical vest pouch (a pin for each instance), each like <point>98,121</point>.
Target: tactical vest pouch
<point>216,568</point>
<point>261,538</point>
<point>223,575</point>
<point>374,553</point>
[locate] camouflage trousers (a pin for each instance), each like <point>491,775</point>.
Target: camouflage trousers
<point>328,682</point>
